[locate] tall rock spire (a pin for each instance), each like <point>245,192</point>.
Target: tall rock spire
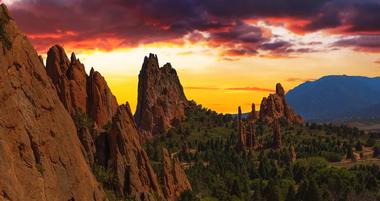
<point>161,100</point>
<point>77,91</point>
<point>253,115</point>
<point>69,78</point>
<point>275,107</point>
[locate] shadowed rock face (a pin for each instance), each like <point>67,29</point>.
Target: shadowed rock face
<point>40,153</point>
<point>102,104</point>
<point>161,100</point>
<point>175,180</point>
<point>89,95</point>
<point>135,175</point>
<point>275,107</point>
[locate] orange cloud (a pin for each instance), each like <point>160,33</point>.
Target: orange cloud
<point>297,79</point>
<point>250,89</point>
<point>202,88</point>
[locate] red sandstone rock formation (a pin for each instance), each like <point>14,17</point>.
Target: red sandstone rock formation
<point>83,96</point>
<point>40,153</point>
<point>253,115</point>
<point>69,78</point>
<point>174,177</point>
<point>102,104</point>
<point>77,91</point>
<point>135,175</point>
<point>161,100</point>
<point>275,107</point>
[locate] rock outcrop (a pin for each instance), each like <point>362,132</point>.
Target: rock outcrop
<point>77,91</point>
<point>102,104</point>
<point>253,115</point>
<point>175,180</point>
<point>252,142</point>
<point>161,100</point>
<point>247,133</point>
<point>69,78</point>
<point>135,175</point>
<point>86,98</point>
<point>40,153</point>
<point>275,107</point>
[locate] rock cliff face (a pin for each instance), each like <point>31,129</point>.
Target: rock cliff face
<point>135,175</point>
<point>83,96</point>
<point>77,91</point>
<point>175,180</point>
<point>275,107</point>
<point>40,153</point>
<point>69,78</point>
<point>102,104</point>
<point>161,100</point>
<point>118,149</point>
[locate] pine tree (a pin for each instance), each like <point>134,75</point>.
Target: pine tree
<point>291,194</point>
<point>273,192</point>
<point>314,193</point>
<point>350,153</point>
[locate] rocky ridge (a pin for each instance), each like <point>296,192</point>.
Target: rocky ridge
<point>134,173</point>
<point>78,91</point>
<point>41,155</point>
<point>174,177</point>
<point>117,144</point>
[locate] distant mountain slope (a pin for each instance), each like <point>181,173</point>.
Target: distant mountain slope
<point>335,97</point>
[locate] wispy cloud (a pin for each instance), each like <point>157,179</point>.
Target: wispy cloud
<point>249,89</point>
<point>202,88</point>
<point>297,79</point>
<point>230,88</point>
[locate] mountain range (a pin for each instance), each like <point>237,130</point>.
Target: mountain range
<point>337,98</point>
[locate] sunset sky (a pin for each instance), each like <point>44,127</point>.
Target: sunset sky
<point>226,52</point>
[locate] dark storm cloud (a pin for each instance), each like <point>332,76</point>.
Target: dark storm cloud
<point>117,23</point>
<point>367,43</point>
<point>278,45</point>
